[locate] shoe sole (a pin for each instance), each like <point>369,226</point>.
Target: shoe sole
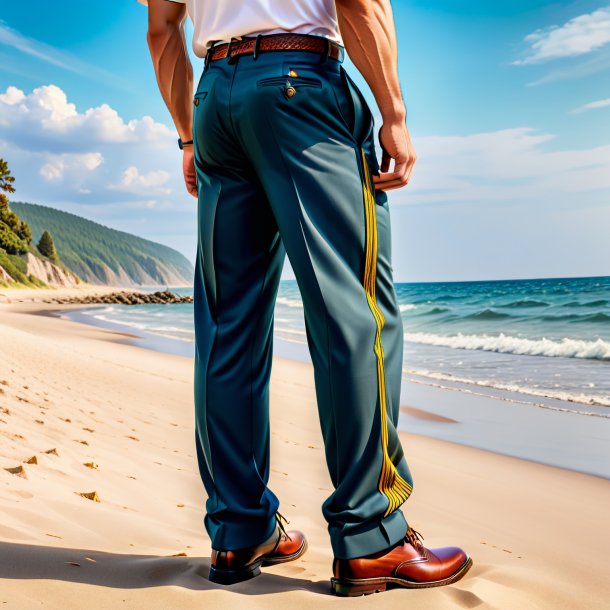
<point>348,587</point>
<point>225,576</point>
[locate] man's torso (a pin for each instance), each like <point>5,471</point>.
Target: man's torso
<point>219,20</point>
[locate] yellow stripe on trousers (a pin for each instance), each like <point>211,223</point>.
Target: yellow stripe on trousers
<point>391,484</point>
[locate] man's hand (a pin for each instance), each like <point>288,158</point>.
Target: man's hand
<point>395,144</point>
<point>368,31</point>
<point>188,169</point>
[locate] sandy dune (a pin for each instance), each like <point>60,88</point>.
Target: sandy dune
<point>114,422</point>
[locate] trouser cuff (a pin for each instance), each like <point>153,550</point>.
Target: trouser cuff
<point>239,535</point>
<point>378,536</point>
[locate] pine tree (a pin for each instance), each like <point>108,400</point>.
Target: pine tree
<point>15,234</point>
<point>6,180</point>
<point>46,247</point>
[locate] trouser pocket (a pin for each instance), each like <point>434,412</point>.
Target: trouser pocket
<point>298,81</point>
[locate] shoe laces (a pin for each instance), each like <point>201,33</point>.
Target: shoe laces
<point>415,538</point>
<point>279,517</point>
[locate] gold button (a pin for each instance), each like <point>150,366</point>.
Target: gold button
<point>196,102</point>
<point>292,73</point>
<point>290,91</point>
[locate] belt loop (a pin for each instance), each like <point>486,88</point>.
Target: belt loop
<point>256,45</point>
<point>326,53</point>
<point>229,51</point>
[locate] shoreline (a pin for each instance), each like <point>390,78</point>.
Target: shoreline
<point>144,545</point>
<point>556,438</point>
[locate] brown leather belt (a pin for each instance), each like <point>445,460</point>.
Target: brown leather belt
<point>274,42</point>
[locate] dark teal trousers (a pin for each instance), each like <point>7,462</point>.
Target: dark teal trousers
<point>284,152</point>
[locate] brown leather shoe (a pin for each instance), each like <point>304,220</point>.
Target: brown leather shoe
<point>229,567</point>
<point>406,564</point>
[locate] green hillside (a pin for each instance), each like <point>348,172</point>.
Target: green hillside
<point>100,255</point>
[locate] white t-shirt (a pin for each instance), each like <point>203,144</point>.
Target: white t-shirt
<point>219,20</point>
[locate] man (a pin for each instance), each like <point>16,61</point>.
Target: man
<point>283,162</point>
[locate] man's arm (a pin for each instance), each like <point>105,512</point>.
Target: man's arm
<point>368,31</point>
<point>174,73</point>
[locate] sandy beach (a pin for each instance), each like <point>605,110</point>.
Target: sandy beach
<point>102,505</point>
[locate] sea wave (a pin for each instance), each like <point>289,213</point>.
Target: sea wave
<point>434,311</point>
<point>527,303</point>
<point>577,318</point>
<point>565,395</point>
<point>566,348</point>
<point>407,306</point>
<point>487,314</point>
<point>290,302</point>
<point>597,303</point>
<point>171,332</point>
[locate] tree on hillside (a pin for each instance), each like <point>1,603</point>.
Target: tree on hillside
<point>46,246</point>
<point>15,234</point>
<point>6,180</point>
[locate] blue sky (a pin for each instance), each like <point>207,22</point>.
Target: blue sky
<point>508,106</point>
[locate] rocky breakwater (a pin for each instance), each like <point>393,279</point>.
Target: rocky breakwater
<point>124,298</point>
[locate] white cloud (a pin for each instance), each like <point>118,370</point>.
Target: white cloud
<point>61,153</point>
<point>511,165</point>
<point>152,182</point>
<point>57,165</point>
<point>45,119</point>
<point>579,36</point>
<point>591,106</point>
<point>12,96</point>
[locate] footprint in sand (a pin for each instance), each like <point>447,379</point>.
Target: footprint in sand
<point>88,429</point>
<point>51,451</point>
<point>134,438</point>
<point>32,460</point>
<point>5,410</point>
<point>39,421</point>
<point>18,471</point>
<point>89,495</point>
<point>91,465</point>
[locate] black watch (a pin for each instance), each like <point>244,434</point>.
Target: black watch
<point>181,143</point>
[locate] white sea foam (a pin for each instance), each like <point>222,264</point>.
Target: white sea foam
<point>407,307</point>
<point>290,302</point>
<point>171,332</point>
<point>566,348</point>
<point>575,397</point>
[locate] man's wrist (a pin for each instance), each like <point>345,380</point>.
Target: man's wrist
<point>184,143</point>
<point>396,113</point>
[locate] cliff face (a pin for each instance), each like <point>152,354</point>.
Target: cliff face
<point>105,276</point>
<point>104,256</point>
<point>48,272</point>
<point>5,277</point>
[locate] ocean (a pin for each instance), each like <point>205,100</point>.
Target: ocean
<point>538,338</point>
